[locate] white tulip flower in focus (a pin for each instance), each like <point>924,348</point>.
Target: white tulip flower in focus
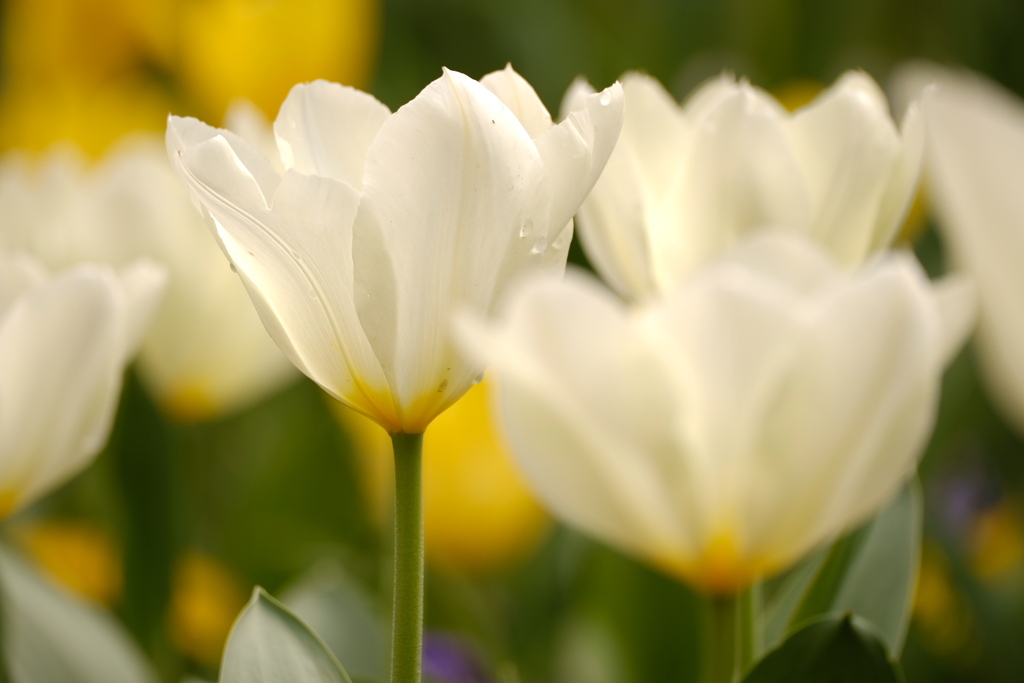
<point>686,182</point>
<point>64,343</point>
<point>975,182</point>
<point>366,229</point>
<point>763,407</point>
<point>206,353</point>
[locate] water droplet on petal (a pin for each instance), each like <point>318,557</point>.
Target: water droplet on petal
<point>442,386</point>
<point>606,98</point>
<point>526,228</point>
<point>479,378</point>
<point>540,246</point>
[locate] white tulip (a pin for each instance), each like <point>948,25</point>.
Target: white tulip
<point>64,343</point>
<point>687,181</point>
<point>975,175</point>
<point>381,224</point>
<point>207,352</point>
<point>768,404</point>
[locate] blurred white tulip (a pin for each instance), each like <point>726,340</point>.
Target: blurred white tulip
<point>771,402</point>
<point>64,343</point>
<point>362,234</point>
<point>975,183</point>
<point>687,181</point>
<point>207,352</point>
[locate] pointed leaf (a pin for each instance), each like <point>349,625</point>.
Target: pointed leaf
<point>269,644</point>
<point>831,650</point>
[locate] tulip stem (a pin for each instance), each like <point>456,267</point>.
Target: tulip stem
<point>721,639</point>
<point>732,635</point>
<point>407,624</point>
<point>749,632</point>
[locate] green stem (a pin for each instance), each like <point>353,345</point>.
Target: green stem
<point>749,633</point>
<point>720,639</point>
<point>732,635</point>
<point>407,625</point>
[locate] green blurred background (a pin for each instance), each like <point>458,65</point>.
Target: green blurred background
<point>176,521</point>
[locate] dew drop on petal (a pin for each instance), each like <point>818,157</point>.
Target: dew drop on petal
<point>526,228</point>
<point>442,386</point>
<point>605,99</point>
<point>540,245</point>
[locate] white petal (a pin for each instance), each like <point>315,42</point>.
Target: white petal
<point>741,175</point>
<point>455,205</point>
<point>848,148</point>
<point>295,260</point>
<point>326,129</point>
<point>846,423</point>
<point>35,197</point>
<point>143,283</point>
<point>576,151</point>
<point>519,96</point>
<point>247,121</point>
<point>18,274</point>
<point>654,132</point>
<point>975,164</point>
<point>730,334</point>
<point>712,93</point>
<point>642,174</point>
<point>957,301</point>
<point>61,358</point>
<point>186,133</point>
<point>575,96</point>
<point>899,192</point>
<point>597,447</point>
<point>612,226</point>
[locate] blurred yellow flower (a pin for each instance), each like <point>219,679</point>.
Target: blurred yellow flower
<point>85,40</point>
<point>86,70</point>
<point>478,515</point>
<point>259,49</point>
<point>941,614</point>
<point>34,116</point>
<point>205,600</point>
<point>997,542</point>
<point>76,554</point>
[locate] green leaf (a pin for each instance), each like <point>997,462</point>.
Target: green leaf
<point>344,615</point>
<point>831,650</point>
<point>870,572</point>
<point>269,644</point>
<point>49,635</point>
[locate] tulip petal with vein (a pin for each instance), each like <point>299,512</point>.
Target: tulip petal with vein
<point>64,344</point>
<point>367,230</point>
<point>975,172</point>
<point>768,404</point>
<point>686,182</point>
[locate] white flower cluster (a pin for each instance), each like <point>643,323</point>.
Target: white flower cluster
<point>760,374</point>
